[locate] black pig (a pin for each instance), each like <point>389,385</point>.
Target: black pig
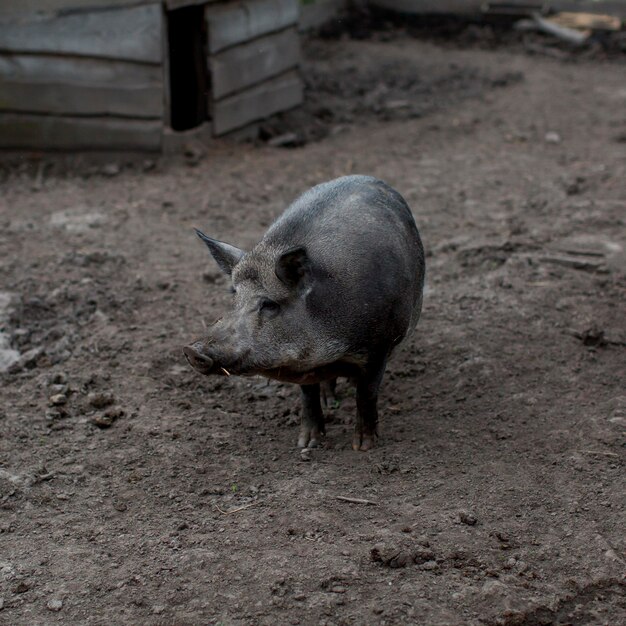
<point>332,287</point>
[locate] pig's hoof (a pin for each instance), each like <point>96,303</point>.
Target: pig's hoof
<point>309,439</point>
<point>363,442</point>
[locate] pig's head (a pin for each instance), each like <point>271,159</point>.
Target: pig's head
<point>270,329</point>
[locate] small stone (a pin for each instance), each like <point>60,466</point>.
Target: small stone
<point>467,518</point>
<point>429,565</point>
<point>54,605</point>
<point>100,400</point>
<point>56,413</point>
<point>60,378</point>
<point>552,137</point>
<point>194,153</point>
<point>423,555</point>
<point>287,140</point>
<point>58,399</point>
<point>111,169</point>
<point>157,609</point>
<point>305,454</point>
<point>28,360</point>
<point>102,421</point>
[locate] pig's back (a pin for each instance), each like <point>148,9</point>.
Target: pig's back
<point>348,219</point>
<point>362,235</point>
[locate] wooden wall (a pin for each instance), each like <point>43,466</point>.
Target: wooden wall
<point>253,56</point>
<point>91,79</point>
<point>90,76</point>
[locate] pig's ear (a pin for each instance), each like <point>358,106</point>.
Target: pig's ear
<point>292,266</point>
<point>225,255</point>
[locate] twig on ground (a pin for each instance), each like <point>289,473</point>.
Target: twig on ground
<point>570,35</point>
<point>600,452</point>
<point>241,508</point>
<point>356,500</point>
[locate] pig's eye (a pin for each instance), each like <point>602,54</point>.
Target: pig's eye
<point>268,306</point>
<point>233,290</point>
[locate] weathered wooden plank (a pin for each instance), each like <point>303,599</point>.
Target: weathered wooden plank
<point>228,25</point>
<point>276,94</point>
<point>10,9</point>
<point>243,66</point>
<point>49,132</point>
<point>80,86</point>
<point>130,33</point>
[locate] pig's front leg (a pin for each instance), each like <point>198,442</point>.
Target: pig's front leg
<point>312,420</point>
<point>366,427</point>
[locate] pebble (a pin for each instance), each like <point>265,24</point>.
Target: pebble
<point>286,139</point>
<point>54,605</point>
<point>28,360</point>
<point>111,169</point>
<point>60,378</point>
<point>100,400</point>
<point>423,555</point>
<point>552,137</point>
<point>104,421</point>
<point>305,454</point>
<point>467,518</point>
<point>58,399</point>
<point>56,414</point>
<point>157,609</point>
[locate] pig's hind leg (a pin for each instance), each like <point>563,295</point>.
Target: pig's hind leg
<point>367,385</point>
<point>312,421</point>
<point>329,392</point>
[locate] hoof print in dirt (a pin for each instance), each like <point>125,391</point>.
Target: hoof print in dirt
<point>318,299</point>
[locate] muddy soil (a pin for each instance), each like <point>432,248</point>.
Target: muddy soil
<point>135,491</point>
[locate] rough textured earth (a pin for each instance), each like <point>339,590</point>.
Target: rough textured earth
<point>134,491</point>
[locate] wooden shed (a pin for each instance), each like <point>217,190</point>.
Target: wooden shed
<point>123,74</point>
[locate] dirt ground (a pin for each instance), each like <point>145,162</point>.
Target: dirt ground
<point>135,491</point>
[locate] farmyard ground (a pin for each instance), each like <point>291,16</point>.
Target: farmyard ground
<point>499,481</point>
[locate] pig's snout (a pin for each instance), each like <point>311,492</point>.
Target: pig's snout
<point>198,359</point>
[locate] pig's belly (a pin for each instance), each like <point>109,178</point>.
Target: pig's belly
<point>316,375</point>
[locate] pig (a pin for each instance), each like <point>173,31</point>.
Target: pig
<point>334,285</point>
